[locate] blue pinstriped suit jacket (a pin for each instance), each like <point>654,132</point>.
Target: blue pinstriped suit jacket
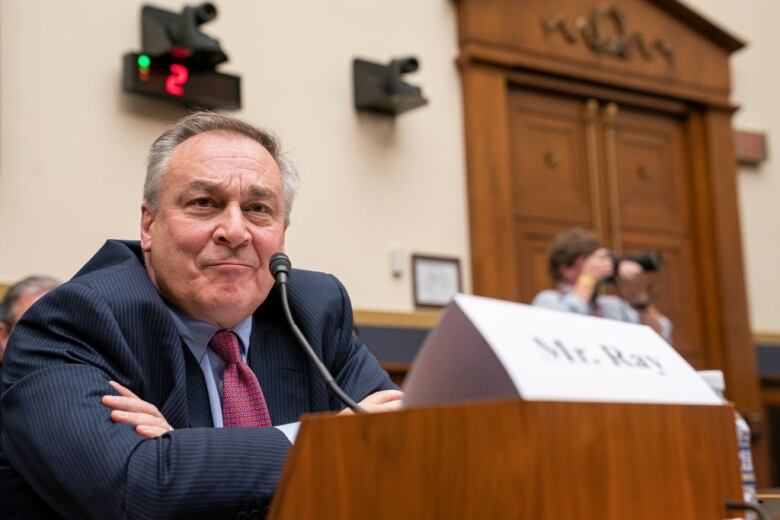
<point>109,322</point>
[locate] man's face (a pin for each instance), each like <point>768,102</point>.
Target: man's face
<point>220,217</point>
<point>570,273</point>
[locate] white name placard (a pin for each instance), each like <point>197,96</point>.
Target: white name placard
<point>486,348</point>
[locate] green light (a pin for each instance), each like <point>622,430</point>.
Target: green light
<point>144,61</point>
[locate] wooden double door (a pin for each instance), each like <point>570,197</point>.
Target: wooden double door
<point>619,170</point>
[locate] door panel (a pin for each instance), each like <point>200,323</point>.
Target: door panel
<point>651,172</point>
<point>548,146</point>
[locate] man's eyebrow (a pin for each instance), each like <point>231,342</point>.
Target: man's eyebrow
<point>254,191</point>
<point>201,186</point>
<point>261,192</point>
<point>196,187</point>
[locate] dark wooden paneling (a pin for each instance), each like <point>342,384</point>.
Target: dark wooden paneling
<point>739,355</point>
<point>652,172</point>
<point>487,159</point>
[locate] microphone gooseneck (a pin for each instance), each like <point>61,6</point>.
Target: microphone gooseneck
<point>280,267</point>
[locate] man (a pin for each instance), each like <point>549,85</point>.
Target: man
<point>18,298</point>
<point>187,327</point>
<point>579,266</point>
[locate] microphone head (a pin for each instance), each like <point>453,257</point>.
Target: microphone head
<point>280,263</point>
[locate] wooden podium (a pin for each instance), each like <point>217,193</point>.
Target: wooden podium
<point>515,459</point>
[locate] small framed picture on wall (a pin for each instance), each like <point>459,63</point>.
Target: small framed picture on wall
<point>435,280</point>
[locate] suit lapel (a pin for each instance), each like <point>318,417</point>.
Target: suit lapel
<point>198,408</point>
<point>157,346</point>
<point>281,369</point>
<point>167,372</point>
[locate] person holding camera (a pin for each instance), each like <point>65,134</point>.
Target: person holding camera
<point>579,265</point>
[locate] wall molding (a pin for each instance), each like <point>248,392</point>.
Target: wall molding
<point>421,319</point>
<point>766,338</point>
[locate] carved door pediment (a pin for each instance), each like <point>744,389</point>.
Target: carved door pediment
<point>645,44</point>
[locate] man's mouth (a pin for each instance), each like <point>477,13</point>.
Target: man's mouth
<point>230,263</point>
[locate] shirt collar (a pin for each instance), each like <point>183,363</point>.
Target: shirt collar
<point>197,333</point>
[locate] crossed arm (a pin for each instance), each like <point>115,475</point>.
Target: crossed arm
<point>128,408</point>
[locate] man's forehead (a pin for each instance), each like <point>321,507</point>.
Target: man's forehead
<point>219,144</point>
<point>215,157</point>
<point>212,186</point>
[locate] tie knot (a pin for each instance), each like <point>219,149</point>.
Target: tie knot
<point>225,344</point>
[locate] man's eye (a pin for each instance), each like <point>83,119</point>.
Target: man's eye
<point>258,208</point>
<point>202,202</point>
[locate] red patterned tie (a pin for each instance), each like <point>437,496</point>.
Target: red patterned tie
<point>243,403</point>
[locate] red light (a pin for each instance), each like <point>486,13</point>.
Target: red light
<point>181,52</point>
<point>174,83</point>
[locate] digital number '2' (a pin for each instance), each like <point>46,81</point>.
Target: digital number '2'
<point>174,83</point>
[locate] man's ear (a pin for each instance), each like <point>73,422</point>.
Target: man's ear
<point>147,222</point>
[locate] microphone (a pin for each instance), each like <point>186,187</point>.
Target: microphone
<point>280,266</point>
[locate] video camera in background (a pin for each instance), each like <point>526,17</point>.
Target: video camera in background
<point>651,262</point>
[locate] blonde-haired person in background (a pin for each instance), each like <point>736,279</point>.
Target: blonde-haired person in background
<point>579,264</point>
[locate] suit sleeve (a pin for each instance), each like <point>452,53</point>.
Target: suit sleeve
<point>60,437</point>
<point>354,367</point>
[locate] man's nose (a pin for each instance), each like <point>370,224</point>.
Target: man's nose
<point>232,230</point>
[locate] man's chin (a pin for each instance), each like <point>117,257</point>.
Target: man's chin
<point>231,297</point>
<point>222,301</point>
<point>227,313</point>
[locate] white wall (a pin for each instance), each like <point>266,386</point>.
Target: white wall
<point>72,144</point>
<point>755,80</point>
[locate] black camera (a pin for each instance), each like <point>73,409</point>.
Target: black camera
<point>165,33</point>
<point>381,88</point>
<point>651,262</point>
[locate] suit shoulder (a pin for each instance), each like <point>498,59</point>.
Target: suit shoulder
<point>115,276</point>
<point>303,282</point>
<point>117,263</point>
<point>113,254</point>
<point>317,290</point>
<point>316,278</point>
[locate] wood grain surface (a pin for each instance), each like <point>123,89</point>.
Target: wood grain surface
<point>515,459</point>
